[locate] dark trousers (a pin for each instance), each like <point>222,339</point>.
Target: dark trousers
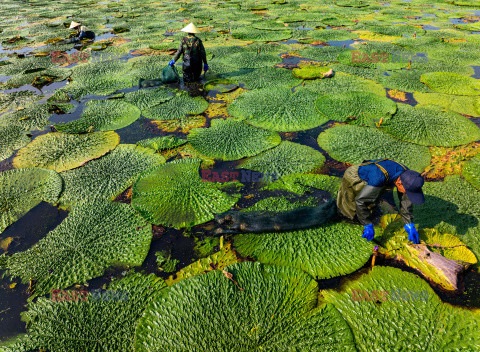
<point>192,72</point>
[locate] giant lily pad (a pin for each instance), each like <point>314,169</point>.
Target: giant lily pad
<point>148,98</point>
<point>353,144</point>
<point>431,126</point>
<point>267,76</point>
<point>471,171</point>
<point>173,194</point>
<point>55,324</point>
<point>31,117</point>
<point>278,109</point>
<point>343,83</point>
<point>287,158</point>
<point>176,108</point>
<point>94,236</point>
<point>361,108</point>
<point>22,189</point>
<point>109,175</point>
<point>323,252</point>
<point>468,105</point>
<point>250,60</point>
<point>275,305</point>
<point>303,183</point>
<point>62,151</point>
<point>100,78</point>
<point>162,143</point>
<point>232,140</point>
<point>451,83</point>
<point>261,35</point>
<point>102,115</point>
<point>404,80</point>
<point>389,297</point>
<point>13,137</point>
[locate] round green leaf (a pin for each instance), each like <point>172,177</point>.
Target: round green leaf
<point>22,189</point>
<point>278,109</point>
<point>162,143</point>
<point>109,175</point>
<point>13,137</point>
<point>250,60</point>
<point>221,85</point>
<point>148,98</point>
<point>353,144</point>
<point>323,252</point>
<point>173,194</point>
<point>231,140</point>
<point>471,172</point>
<point>382,304</point>
<point>94,236</point>
<point>267,77</point>
<point>361,108</point>
<point>431,126</point>
<point>102,115</point>
<point>266,308</point>
<point>261,35</point>
<point>176,108</point>
<point>287,158</point>
<point>451,83</point>
<point>56,324</point>
<point>467,105</point>
<point>62,151</point>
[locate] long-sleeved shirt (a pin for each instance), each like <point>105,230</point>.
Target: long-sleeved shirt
<point>380,176</point>
<point>194,56</point>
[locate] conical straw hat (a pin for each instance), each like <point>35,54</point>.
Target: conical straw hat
<point>190,28</point>
<point>74,24</point>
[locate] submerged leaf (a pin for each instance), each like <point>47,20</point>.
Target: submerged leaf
<point>177,107</point>
<point>62,151</point>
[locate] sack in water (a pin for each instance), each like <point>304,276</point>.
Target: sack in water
<point>271,221</point>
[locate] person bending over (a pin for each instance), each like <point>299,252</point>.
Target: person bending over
<point>363,184</point>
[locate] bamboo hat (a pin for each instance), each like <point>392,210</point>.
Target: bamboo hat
<point>74,24</point>
<point>190,28</point>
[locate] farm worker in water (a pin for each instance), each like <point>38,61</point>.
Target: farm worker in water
<point>82,32</point>
<point>363,184</point>
<point>193,55</point>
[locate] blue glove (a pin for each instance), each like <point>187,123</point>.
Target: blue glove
<point>205,67</point>
<point>369,232</point>
<point>172,62</point>
<point>412,233</point>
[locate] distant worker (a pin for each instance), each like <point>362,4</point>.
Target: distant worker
<point>193,55</point>
<point>82,32</point>
<point>363,184</point>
